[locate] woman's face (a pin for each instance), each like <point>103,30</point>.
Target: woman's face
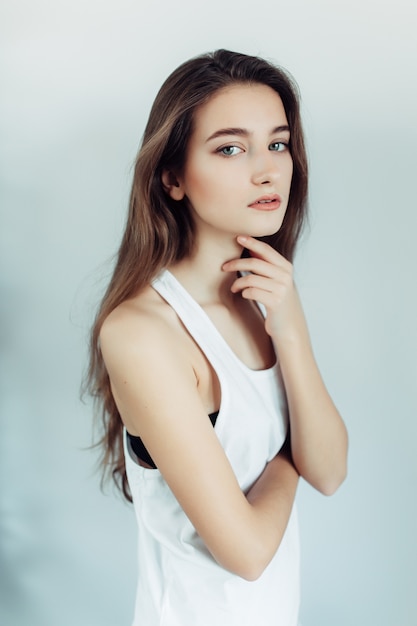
<point>238,169</point>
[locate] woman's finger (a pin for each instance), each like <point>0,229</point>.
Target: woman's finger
<point>261,249</point>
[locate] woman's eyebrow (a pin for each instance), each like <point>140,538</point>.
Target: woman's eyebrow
<point>243,132</point>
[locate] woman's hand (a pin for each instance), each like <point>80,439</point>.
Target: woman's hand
<point>270,282</point>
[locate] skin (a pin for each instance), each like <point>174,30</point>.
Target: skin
<point>143,340</point>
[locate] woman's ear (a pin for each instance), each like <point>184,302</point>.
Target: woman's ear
<point>171,185</point>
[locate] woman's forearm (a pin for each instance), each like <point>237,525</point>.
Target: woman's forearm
<point>318,434</point>
<point>271,499</point>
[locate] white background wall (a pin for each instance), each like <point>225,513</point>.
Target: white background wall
<point>78,78</point>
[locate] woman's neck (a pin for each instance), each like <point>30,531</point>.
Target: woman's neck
<point>201,273</point>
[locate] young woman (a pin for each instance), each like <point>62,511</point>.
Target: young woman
<point>212,402</point>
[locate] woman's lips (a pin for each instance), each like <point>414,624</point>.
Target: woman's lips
<point>267,203</point>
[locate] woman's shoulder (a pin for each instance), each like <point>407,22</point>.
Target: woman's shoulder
<point>146,309</point>
<point>139,315</point>
<point>142,323</point>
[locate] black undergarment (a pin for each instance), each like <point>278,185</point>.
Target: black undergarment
<point>142,453</point>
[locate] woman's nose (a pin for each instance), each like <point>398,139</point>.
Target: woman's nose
<point>265,170</point>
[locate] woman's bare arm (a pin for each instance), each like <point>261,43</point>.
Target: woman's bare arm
<point>155,389</point>
<point>318,434</point>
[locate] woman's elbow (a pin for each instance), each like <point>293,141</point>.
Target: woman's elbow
<point>252,575</point>
<point>251,571</point>
<point>250,564</point>
<point>330,484</point>
<point>326,478</point>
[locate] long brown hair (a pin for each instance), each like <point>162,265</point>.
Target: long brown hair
<point>159,230</point>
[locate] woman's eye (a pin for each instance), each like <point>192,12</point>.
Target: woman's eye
<point>229,150</point>
<point>278,146</point>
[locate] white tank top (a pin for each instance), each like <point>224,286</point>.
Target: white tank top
<point>179,582</point>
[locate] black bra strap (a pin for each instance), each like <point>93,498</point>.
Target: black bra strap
<point>142,453</point>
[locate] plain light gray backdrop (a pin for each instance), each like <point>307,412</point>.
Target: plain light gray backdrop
<point>78,78</point>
